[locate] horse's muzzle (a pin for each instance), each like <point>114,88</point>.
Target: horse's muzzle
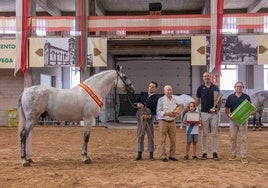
<point>130,90</point>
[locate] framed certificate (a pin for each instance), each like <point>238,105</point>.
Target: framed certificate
<point>193,117</point>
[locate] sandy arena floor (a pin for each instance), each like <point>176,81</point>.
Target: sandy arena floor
<point>58,162</point>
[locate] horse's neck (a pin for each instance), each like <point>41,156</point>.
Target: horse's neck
<point>102,84</point>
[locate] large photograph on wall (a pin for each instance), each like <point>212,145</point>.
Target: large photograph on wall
<point>60,52</point>
<point>239,50</point>
<point>51,52</point>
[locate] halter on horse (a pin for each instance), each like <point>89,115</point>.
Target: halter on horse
<point>73,104</point>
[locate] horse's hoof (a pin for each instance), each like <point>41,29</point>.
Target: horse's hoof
<point>30,160</point>
<point>27,164</point>
<point>88,161</point>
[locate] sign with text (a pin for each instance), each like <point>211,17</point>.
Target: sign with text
<point>7,53</point>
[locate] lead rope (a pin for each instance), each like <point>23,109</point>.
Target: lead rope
<point>131,104</point>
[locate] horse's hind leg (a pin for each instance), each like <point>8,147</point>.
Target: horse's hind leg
<point>24,151</point>
<point>23,137</point>
<point>254,119</point>
<point>260,120</point>
<point>29,147</point>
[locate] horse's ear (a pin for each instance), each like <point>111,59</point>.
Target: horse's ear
<point>118,68</point>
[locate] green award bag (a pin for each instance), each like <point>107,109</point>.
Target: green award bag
<point>242,112</point>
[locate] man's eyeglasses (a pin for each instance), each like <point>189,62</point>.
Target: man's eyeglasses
<point>239,86</point>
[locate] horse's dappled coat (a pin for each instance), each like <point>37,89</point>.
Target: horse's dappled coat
<point>66,104</point>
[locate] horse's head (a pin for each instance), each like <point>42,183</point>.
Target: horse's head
<point>123,82</point>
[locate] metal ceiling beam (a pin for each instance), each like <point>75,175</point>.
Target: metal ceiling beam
<point>99,9</point>
<point>153,58</point>
<point>206,7</point>
<point>256,6</point>
<point>48,6</point>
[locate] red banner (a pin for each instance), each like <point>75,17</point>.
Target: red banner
<point>216,36</point>
<point>82,33</point>
<point>24,42</point>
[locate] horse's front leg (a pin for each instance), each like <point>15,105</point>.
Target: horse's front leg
<point>87,125</point>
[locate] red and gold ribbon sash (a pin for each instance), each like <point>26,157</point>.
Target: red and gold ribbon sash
<point>92,94</point>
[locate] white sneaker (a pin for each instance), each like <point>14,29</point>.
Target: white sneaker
<point>244,160</point>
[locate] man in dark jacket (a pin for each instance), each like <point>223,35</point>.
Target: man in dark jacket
<point>146,103</point>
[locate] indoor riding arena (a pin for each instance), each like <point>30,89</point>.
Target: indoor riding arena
<point>73,76</point>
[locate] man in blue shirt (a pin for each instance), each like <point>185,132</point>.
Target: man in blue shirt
<point>232,102</point>
<point>209,115</point>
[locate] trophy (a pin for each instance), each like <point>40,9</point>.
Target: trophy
<point>216,98</point>
<point>179,109</point>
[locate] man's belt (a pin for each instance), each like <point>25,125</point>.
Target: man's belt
<point>168,121</point>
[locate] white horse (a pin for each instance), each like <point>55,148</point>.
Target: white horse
<point>259,99</point>
<point>185,100</point>
<point>82,102</point>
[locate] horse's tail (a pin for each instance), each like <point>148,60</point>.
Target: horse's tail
<point>21,125</point>
<point>21,117</point>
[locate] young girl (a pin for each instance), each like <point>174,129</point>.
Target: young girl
<point>192,131</point>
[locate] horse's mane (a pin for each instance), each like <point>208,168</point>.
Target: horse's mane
<point>100,74</point>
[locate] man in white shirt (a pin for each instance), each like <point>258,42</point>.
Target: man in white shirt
<point>166,116</point>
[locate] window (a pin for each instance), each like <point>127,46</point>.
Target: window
<point>75,76</point>
<point>265,77</point>
<point>229,25</point>
<point>41,27</point>
<point>73,31</point>
<point>228,77</point>
<point>53,81</point>
<point>7,26</point>
<point>121,32</point>
<point>45,80</point>
<point>265,24</point>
